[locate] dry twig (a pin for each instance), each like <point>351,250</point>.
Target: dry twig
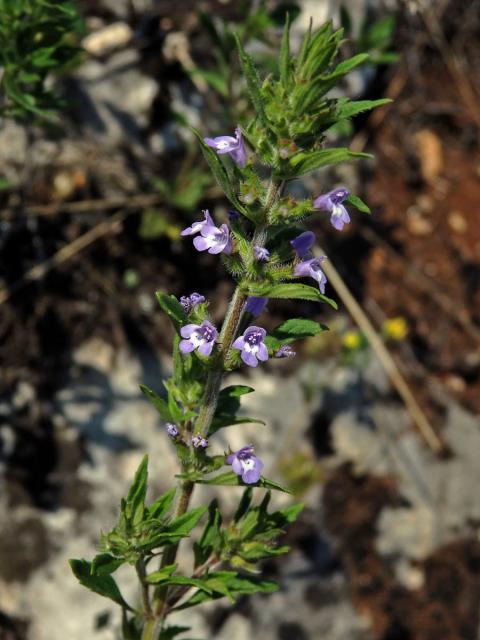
<point>398,381</point>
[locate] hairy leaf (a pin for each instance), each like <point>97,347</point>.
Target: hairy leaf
<point>103,585</point>
<point>172,307</point>
<point>159,403</point>
<point>358,203</point>
<point>304,162</point>
<point>292,291</point>
<point>104,564</point>
<point>136,495</point>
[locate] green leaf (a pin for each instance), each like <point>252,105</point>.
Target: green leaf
<point>184,524</point>
<point>161,506</point>
<point>358,203</point>
<point>230,584</point>
<point>104,564</point>
<point>178,580</point>
<point>244,504</point>
<point>159,403</point>
<point>292,291</point>
<point>172,307</point>
<point>103,585</point>
<point>253,83</point>
<point>161,574</point>
<point>304,162</point>
<point>234,391</point>
<point>227,406</point>
<point>214,79</point>
<point>230,479</point>
<point>290,514</point>
<point>349,108</point>
<point>285,54</point>
<point>220,173</point>
<point>297,328</point>
<point>220,421</point>
<point>138,491</point>
<point>211,537</point>
<point>42,57</point>
<point>169,633</point>
<point>348,65</point>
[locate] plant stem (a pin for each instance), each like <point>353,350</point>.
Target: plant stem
<point>230,325</point>
<point>141,573</point>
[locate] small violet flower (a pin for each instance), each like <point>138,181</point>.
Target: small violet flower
<point>246,464</point>
<point>311,268</point>
<point>212,239</point>
<point>191,301</point>
<point>303,243</point>
<point>199,442</point>
<point>332,202</point>
<point>285,351</point>
<point>261,254</point>
<point>196,227</point>
<point>171,430</point>
<point>198,336</point>
<point>255,305</point>
<point>234,146</point>
<point>252,346</point>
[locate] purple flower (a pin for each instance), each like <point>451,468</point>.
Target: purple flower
<point>311,268</point>
<point>196,227</point>
<point>255,305</point>
<point>199,442</point>
<point>252,346</point>
<point>198,336</point>
<point>211,238</point>
<point>261,254</point>
<point>214,239</point>
<point>191,301</point>
<point>303,243</point>
<point>231,145</point>
<point>171,430</point>
<point>246,464</point>
<point>285,351</point>
<point>332,202</point>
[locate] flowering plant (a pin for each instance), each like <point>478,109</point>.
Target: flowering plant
<point>268,255</point>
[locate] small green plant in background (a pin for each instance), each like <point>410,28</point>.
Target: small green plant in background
<point>38,40</point>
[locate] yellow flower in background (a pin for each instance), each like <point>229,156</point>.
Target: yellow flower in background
<point>395,328</point>
<point>351,340</point>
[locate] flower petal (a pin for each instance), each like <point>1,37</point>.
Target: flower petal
<point>200,243</point>
<point>252,476</point>
<point>206,348</point>
<point>186,346</point>
<point>188,329</point>
<point>239,343</point>
<point>262,352</point>
<point>249,359</point>
<point>237,466</point>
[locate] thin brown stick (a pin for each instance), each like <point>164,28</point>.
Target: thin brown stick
<point>452,62</point>
<point>39,271</point>
<point>136,201</point>
<point>391,368</point>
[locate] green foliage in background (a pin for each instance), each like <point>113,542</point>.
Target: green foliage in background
<point>38,39</point>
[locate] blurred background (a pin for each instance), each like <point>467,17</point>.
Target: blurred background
<point>374,424</point>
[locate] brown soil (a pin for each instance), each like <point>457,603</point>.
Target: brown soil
<point>445,607</point>
<point>424,191</point>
